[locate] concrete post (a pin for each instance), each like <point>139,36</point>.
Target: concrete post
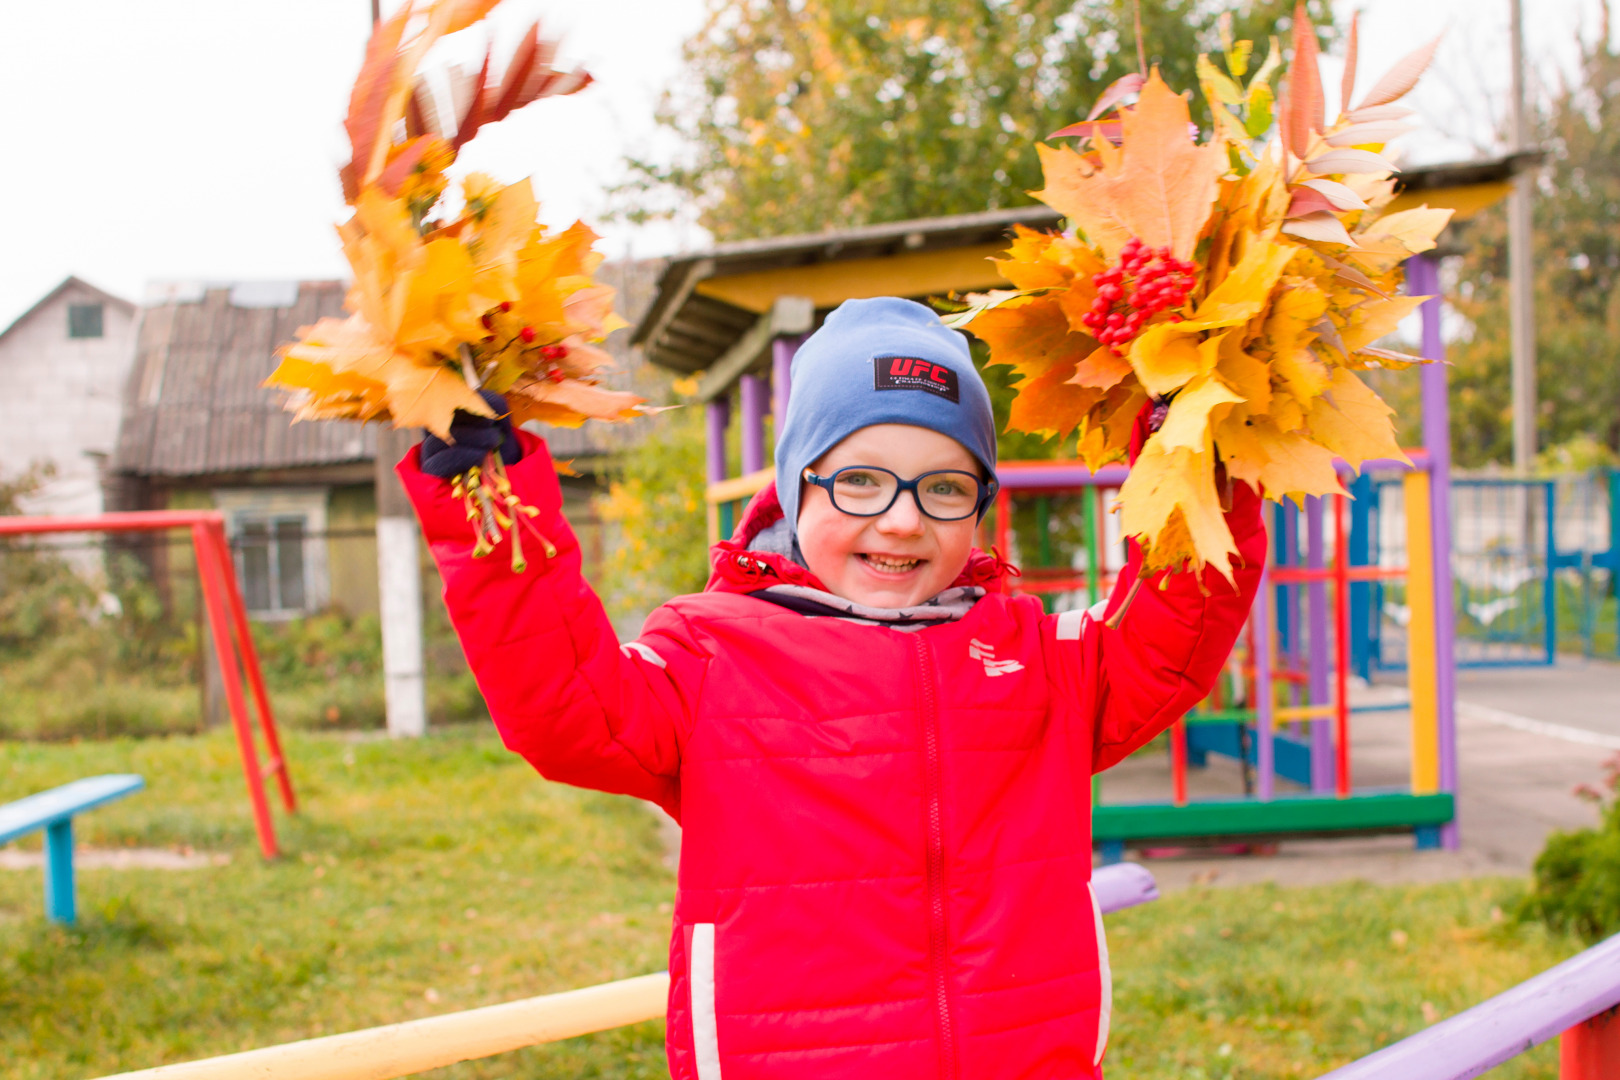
<point>399,592</point>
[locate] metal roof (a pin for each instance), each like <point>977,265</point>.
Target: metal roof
<point>708,301</point>
<point>195,405</point>
<point>686,330</point>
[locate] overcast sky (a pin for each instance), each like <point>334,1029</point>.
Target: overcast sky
<point>198,139</point>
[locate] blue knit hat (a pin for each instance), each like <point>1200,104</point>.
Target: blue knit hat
<point>880,361</point>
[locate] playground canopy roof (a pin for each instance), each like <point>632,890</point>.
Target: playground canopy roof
<point>713,309</point>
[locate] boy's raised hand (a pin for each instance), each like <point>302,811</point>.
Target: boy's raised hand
<point>472,439</point>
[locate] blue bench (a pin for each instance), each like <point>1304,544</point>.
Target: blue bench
<point>53,811</point>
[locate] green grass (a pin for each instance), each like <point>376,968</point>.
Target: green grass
<point>446,865</point>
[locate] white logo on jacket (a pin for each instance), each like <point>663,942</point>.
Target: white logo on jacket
<point>978,650</point>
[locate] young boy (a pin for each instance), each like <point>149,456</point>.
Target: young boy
<point>880,761</point>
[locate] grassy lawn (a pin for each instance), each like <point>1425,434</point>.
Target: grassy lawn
<point>442,874</point>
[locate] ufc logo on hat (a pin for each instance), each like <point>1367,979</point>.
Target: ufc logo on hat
<point>912,373</point>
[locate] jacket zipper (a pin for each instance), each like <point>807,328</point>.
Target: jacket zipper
<point>932,792</point>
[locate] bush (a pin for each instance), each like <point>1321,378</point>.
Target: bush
<point>1577,877</point>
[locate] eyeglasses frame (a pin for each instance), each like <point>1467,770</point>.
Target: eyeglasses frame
<point>987,490</point>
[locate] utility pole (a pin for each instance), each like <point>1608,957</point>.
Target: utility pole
<point>1521,271</point>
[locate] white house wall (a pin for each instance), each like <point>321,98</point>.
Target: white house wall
<point>60,399</point>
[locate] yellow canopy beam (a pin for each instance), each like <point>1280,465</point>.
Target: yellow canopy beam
<point>828,284</point>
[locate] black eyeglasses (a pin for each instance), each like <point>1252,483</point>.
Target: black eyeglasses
<point>867,491</point>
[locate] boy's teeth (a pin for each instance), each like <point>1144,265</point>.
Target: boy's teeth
<point>892,565</point>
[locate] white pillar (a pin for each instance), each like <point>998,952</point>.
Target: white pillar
<point>399,581</point>
<point>399,594</point>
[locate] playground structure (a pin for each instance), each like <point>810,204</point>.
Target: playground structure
<point>228,628</point>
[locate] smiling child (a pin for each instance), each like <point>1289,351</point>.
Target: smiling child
<point>881,760</point>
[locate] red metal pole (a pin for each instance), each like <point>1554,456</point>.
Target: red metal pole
<point>1341,658</point>
<point>211,576</point>
<point>1004,530</point>
<point>1591,1050</point>
<point>250,661</point>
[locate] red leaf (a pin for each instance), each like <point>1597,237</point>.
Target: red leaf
<point>391,178</point>
<point>1308,201</point>
<point>1108,129</point>
<point>1306,108</point>
<point>474,118</point>
<point>1401,77</point>
<point>369,95</point>
<point>1117,91</point>
<point>517,73</point>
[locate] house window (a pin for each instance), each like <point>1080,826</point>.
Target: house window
<point>278,536</point>
<point>271,557</point>
<point>84,320</point>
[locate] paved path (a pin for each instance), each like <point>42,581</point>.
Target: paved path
<point>1526,738</point>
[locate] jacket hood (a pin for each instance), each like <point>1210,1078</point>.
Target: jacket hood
<point>734,568</point>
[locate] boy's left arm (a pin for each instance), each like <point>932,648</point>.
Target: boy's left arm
<point>1164,657</point>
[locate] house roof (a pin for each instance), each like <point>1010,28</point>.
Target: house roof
<point>709,301</point>
<point>195,405</point>
<point>71,282</point>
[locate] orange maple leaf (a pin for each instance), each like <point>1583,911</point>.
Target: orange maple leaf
<point>1159,187</point>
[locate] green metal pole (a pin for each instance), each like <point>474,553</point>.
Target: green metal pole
<point>1088,515</point>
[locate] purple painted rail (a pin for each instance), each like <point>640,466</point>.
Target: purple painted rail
<point>1123,885</point>
<point>1504,1027</point>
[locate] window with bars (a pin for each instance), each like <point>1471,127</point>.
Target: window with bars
<point>84,320</point>
<point>275,577</point>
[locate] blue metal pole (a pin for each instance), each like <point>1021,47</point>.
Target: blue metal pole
<point>1361,519</point>
<point>59,892</point>
<point>1549,589</point>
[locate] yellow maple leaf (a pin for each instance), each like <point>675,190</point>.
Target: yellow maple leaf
<point>1353,422</point>
<point>1160,188</point>
<point>1390,240</point>
<point>1187,425</point>
<point>1164,485</point>
<point>1374,319</point>
<point>1295,466</point>
<point>1165,356</point>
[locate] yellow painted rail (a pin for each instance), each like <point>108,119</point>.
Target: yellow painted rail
<point>382,1053</point>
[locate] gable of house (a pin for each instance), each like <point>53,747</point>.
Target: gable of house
<point>62,369</point>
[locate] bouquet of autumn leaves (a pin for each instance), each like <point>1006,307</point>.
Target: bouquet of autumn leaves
<point>453,296</point>
<point>1236,288</point>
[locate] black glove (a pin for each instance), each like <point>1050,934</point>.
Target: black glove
<point>472,439</point>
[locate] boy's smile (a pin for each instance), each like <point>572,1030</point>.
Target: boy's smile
<point>900,557</point>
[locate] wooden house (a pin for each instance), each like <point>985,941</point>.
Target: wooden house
<point>201,430</point>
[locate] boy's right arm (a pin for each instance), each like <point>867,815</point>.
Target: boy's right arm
<point>562,691</point>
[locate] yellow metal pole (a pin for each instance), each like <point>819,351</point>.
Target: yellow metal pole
<point>1422,674</point>
<point>415,1046</point>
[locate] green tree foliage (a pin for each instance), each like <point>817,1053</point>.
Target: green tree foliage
<point>1577,286</point>
<point>655,509</point>
<point>803,115</point>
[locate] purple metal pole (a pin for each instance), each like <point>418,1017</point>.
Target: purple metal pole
<point>1316,604</point>
<point>755,395</point>
<point>782,350</point>
<point>1423,278</point>
<point>1265,751</point>
<point>719,417</point>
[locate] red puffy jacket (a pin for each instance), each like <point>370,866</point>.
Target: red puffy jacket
<point>886,860</point>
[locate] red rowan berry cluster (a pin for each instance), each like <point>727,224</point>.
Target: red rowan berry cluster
<point>1146,282</point>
